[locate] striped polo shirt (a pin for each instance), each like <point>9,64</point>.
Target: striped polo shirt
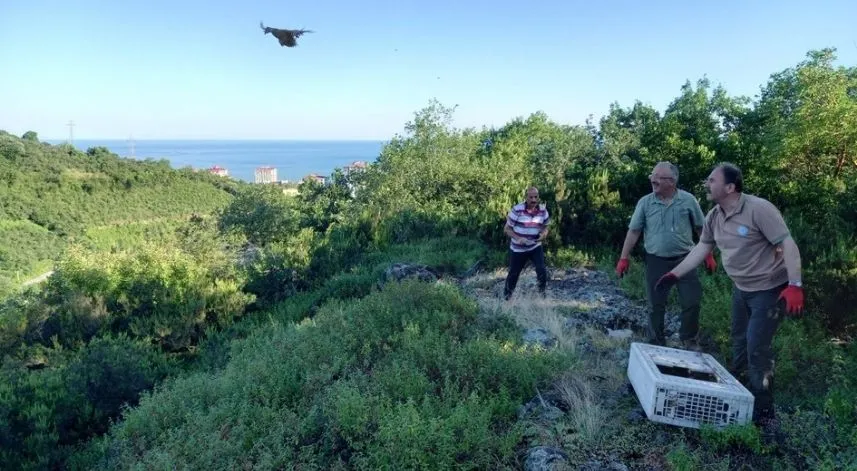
<point>527,225</point>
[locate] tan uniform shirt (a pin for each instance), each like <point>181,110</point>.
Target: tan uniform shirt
<point>747,238</point>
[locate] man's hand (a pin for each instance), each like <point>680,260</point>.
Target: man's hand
<point>666,282</point>
<point>710,263</point>
<point>622,267</point>
<point>794,299</point>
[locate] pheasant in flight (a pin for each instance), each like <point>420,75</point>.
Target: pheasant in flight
<point>287,37</point>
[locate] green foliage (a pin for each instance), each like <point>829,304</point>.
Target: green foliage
<point>395,379</point>
<point>333,371</point>
<point>682,459</point>
<point>45,412</point>
<point>746,436</point>
<point>262,213</point>
<point>156,292</point>
<point>50,195</point>
<point>322,205</point>
<point>25,247</point>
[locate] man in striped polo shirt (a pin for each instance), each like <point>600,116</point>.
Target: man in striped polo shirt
<point>527,226</point>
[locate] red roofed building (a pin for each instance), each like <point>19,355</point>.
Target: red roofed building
<point>218,170</point>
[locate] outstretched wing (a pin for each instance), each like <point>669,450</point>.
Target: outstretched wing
<point>286,37</point>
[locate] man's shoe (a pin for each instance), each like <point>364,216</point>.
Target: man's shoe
<point>769,428</point>
<point>691,344</point>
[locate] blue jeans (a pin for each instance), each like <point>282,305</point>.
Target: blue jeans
<point>755,318</point>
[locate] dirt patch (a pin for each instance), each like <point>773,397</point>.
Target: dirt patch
<point>583,297</point>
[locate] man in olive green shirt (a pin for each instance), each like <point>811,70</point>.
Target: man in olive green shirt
<point>667,217</point>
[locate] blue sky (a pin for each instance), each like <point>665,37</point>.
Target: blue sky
<point>190,69</point>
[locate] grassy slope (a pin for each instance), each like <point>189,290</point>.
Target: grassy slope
<point>51,194</point>
<point>420,375</point>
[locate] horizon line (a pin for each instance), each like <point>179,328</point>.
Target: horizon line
<point>126,139</point>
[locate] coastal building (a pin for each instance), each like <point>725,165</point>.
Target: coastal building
<point>355,166</point>
<point>218,170</point>
<point>314,176</point>
<point>266,175</point>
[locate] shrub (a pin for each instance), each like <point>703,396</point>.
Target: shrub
<point>396,378</point>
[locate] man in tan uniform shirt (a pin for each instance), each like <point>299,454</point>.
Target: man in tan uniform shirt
<point>763,261</point>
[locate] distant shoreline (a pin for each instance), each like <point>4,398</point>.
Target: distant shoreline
<point>126,140</point>
<point>241,158</point>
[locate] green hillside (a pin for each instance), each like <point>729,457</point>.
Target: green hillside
<point>279,333</point>
<point>52,194</point>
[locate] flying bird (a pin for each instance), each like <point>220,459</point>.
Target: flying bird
<point>287,37</point>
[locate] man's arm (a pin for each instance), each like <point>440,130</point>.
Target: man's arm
<point>774,228</point>
<point>507,229</point>
<point>791,257</point>
<point>693,259</point>
<point>631,239</point>
<point>635,228</point>
<point>543,234</point>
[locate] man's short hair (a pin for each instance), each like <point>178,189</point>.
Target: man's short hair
<point>527,191</point>
<point>732,174</point>
<point>671,166</point>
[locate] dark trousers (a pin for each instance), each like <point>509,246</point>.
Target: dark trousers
<point>517,261</point>
<point>755,318</point>
<point>689,295</point>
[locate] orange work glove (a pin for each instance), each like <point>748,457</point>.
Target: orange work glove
<point>622,267</point>
<point>710,263</point>
<point>794,299</point>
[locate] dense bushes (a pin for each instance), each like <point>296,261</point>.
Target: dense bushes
<point>335,372</point>
<point>373,383</point>
<point>46,412</point>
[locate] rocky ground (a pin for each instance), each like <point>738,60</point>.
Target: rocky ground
<point>588,419</point>
<point>570,425</point>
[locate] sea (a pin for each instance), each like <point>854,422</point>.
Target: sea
<point>292,159</point>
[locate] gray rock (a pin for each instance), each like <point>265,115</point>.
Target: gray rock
<point>539,336</point>
<point>620,334</point>
<point>402,271</point>
<point>544,458</point>
<point>594,465</point>
<point>636,415</point>
<point>542,407</point>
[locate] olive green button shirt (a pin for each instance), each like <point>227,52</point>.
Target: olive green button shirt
<point>667,228</point>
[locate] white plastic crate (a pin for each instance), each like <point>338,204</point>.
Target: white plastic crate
<point>687,389</point>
